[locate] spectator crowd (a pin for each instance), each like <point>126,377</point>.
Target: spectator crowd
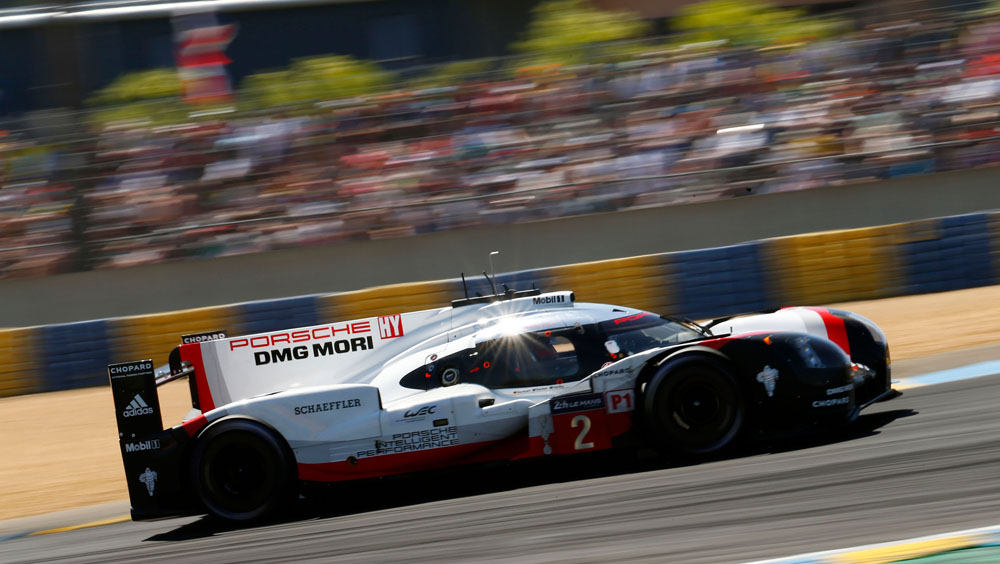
<point>664,127</point>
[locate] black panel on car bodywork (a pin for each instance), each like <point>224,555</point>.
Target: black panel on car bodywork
<point>870,351</point>
<point>156,471</point>
<point>810,379</point>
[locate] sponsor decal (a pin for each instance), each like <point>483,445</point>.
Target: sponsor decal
<point>139,446</point>
<point>390,326</point>
<point>202,337</point>
<point>539,389</point>
<point>576,403</point>
<point>840,390</point>
<point>301,335</point>
<point>124,369</point>
<point>416,440</point>
<point>634,317</point>
<point>148,478</point>
<point>327,406</point>
<point>423,411</point>
<point>137,407</point>
<point>620,401</point>
<point>614,371</point>
<point>542,300</point>
<point>301,352</point>
<point>769,377</point>
<point>831,402</point>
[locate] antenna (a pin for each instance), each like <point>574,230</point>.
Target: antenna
<point>490,282</point>
<point>508,293</point>
<point>494,270</point>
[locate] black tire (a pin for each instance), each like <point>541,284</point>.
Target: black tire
<point>694,406</point>
<point>243,471</point>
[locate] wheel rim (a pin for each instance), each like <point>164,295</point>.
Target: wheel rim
<point>239,477</point>
<point>700,411</point>
<point>696,405</point>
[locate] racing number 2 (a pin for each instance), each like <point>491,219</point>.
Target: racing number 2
<point>584,421</point>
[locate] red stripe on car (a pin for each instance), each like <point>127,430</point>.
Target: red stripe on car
<point>192,353</point>
<point>836,331</point>
<point>192,426</point>
<point>387,464</point>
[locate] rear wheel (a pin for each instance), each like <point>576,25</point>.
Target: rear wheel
<point>242,471</point>
<point>694,406</point>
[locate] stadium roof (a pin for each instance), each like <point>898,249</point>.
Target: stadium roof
<point>27,16</point>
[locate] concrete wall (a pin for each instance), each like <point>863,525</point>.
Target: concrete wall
<point>435,256</point>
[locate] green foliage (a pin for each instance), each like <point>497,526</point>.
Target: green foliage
<point>144,85</point>
<point>566,30</point>
<point>151,96</point>
<point>267,89</point>
<point>315,79</point>
<point>756,22</point>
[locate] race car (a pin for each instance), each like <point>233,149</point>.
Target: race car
<point>504,377</point>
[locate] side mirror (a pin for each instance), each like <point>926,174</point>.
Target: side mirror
<point>612,347</point>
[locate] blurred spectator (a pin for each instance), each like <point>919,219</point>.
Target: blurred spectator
<point>910,97</point>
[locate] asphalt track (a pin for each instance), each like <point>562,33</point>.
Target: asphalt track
<point>926,463</point>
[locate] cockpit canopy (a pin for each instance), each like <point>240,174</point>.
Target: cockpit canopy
<point>528,353</point>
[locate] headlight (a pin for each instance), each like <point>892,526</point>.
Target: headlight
<point>806,352</point>
<point>818,353</point>
<point>860,373</point>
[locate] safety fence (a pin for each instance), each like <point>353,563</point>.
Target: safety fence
<point>925,256</point>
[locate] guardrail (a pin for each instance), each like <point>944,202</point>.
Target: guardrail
<point>918,257</point>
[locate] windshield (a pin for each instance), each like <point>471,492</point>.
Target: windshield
<point>529,359</point>
<point>643,331</point>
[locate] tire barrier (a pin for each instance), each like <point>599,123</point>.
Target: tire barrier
<point>18,373</point>
<point>919,257</point>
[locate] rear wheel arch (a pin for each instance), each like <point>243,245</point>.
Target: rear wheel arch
<point>266,452</point>
<point>230,419</point>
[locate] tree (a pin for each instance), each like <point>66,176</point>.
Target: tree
<point>565,30</point>
<point>150,96</point>
<point>143,85</point>
<point>758,22</point>
<point>315,79</point>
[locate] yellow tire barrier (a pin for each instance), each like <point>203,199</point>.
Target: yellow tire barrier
<point>833,266</point>
<point>18,371</point>
<point>385,300</point>
<point>641,282</point>
<point>154,336</point>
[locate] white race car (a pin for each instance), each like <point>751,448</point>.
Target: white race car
<point>510,376</point>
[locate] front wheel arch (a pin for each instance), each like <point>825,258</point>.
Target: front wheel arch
<point>672,417</point>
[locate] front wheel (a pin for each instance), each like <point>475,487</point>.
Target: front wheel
<point>242,471</point>
<point>694,406</point>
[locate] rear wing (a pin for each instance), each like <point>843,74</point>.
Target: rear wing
<point>137,405</point>
<point>175,368</point>
<point>140,430</point>
<point>148,451</point>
